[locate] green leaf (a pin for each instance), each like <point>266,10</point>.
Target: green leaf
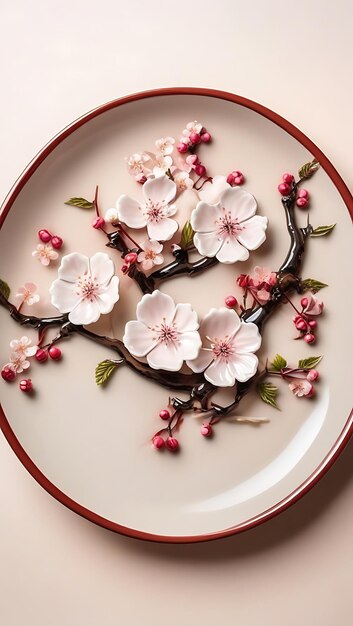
<point>278,363</point>
<point>187,236</point>
<point>321,231</point>
<point>4,289</point>
<point>80,202</point>
<point>104,371</point>
<point>268,393</point>
<point>310,362</point>
<point>312,284</point>
<point>308,169</point>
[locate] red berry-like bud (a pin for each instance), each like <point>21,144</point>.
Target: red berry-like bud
<point>205,137</point>
<point>312,376</point>
<point>304,302</point>
<point>130,258</point>
<point>239,180</point>
<point>41,355</point>
<point>54,353</point>
<point>8,374</point>
<point>164,414</point>
<point>158,442</point>
<point>284,189</point>
<point>302,203</point>
<point>243,280</point>
<point>44,235</point>
<point>56,242</point>
<point>172,444</point>
<point>231,302</point>
<point>182,147</point>
<point>303,193</point>
<point>206,430</point>
<point>125,268</point>
<point>141,178</point>
<point>230,179</point>
<point>296,318</point>
<point>301,324</point>
<point>200,169</point>
<point>26,385</point>
<point>195,138</point>
<point>287,178</point>
<point>313,323</point>
<point>309,338</point>
<point>98,222</point>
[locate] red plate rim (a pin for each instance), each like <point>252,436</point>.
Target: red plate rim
<point>347,431</point>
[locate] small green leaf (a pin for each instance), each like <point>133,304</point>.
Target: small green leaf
<point>187,236</point>
<point>268,393</point>
<point>321,231</point>
<point>312,284</point>
<point>309,363</point>
<point>104,371</point>
<point>278,363</point>
<point>80,202</point>
<point>4,289</point>
<point>308,169</point>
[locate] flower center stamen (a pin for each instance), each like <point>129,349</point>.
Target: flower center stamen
<point>154,211</point>
<point>228,226</point>
<point>87,287</point>
<point>166,333</point>
<point>222,348</point>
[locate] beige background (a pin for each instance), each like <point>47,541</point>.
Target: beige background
<point>57,62</point>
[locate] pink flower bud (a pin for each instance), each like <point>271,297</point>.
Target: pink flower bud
<point>284,189</point>
<point>98,222</point>
<point>44,235</point>
<point>55,353</point>
<point>243,280</point>
<point>303,193</point>
<point>304,302</point>
<point>287,178</point>
<point>311,392</point>
<point>313,323</point>
<point>182,147</point>
<point>8,374</point>
<point>301,324</point>
<point>309,338</point>
<point>200,169</point>
<point>26,385</point>
<point>158,442</point>
<point>130,258</point>
<point>195,138</point>
<point>141,178</point>
<point>231,302</point>
<point>56,242</point>
<point>125,268</point>
<point>206,430</point>
<point>302,203</point>
<point>172,444</point>
<point>230,179</point>
<point>192,160</point>
<point>296,318</point>
<point>239,180</point>
<point>164,414</point>
<point>41,355</point>
<point>312,375</point>
<point>206,137</point>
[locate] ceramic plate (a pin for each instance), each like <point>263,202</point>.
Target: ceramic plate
<point>90,446</point>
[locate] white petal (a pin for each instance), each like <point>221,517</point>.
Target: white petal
<point>243,366</point>
<point>73,265</point>
<point>164,230</point>
<point>253,233</point>
<point>247,339</point>
<point>102,267</point>
<point>160,189</point>
<point>31,351</point>
<point>207,244</point>
<point>155,307</point>
<point>130,212</point>
<point>231,251</point>
<point>158,259</point>
<point>185,318</point>
<point>239,202</point>
<point>204,217</point>
<point>86,312</point>
<point>64,295</point>
<point>211,192</point>
<point>219,374</point>
<point>138,339</point>
<point>189,345</point>
<point>146,264</point>
<point>152,245</point>
<point>165,357</point>
<point>111,215</point>
<point>203,360</point>
<point>220,323</point>
<point>109,296</point>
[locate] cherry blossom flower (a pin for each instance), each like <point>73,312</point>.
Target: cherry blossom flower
<point>111,216</point>
<point>301,387</point>
<point>156,210</point>
<point>165,333</point>
<point>211,191</point>
<point>23,347</point>
<point>228,347</point>
<point>162,163</point>
<point>229,229</point>
<point>182,180</point>
<point>85,288</point>
<point>27,294</point>
<point>151,254</point>
<point>17,363</point>
<point>165,145</point>
<point>139,163</point>
<point>45,253</point>
<point>192,127</point>
<point>264,275</point>
<point>314,306</point>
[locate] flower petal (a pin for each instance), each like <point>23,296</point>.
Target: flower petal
<point>139,339</point>
<point>85,312</point>
<point>64,295</point>
<point>130,212</point>
<point>102,267</point>
<point>219,374</point>
<point>185,318</point>
<point>154,308</point>
<point>73,265</point>
<point>31,350</point>
<point>108,296</point>
<point>253,233</point>
<point>243,366</point>
<point>247,339</point>
<point>203,360</point>
<point>160,189</point>
<point>231,251</point>
<point>211,191</point>
<point>207,244</point>
<point>165,357</point>
<point>220,323</point>
<point>164,230</point>
<point>189,345</point>
<point>204,217</point>
<point>240,203</point>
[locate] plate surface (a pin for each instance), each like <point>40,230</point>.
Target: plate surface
<point>90,446</point>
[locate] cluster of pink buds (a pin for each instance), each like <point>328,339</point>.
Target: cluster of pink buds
<point>171,443</point>
<point>129,259</point>
<point>43,354</point>
<point>301,383</point>
<point>235,178</point>
<point>194,162</point>
<point>304,321</point>
<point>192,135</point>
<point>46,237</point>
<point>259,285</point>
<point>286,186</point>
<point>9,375</point>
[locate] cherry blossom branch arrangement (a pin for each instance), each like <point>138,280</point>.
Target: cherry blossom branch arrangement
<point>167,343</point>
